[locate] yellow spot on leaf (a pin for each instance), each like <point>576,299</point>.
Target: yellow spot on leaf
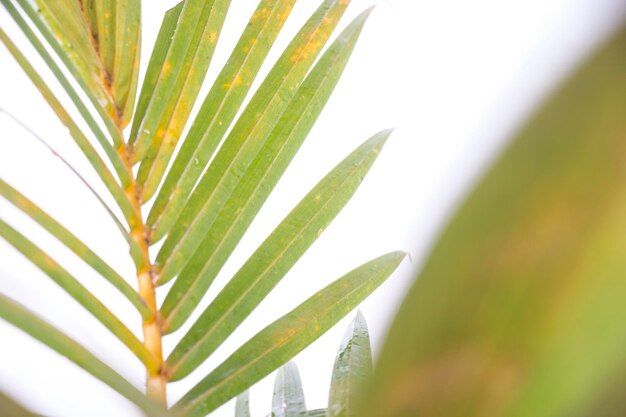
<point>167,66</point>
<point>236,81</point>
<point>213,37</point>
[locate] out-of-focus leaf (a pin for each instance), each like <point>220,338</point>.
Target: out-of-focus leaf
<point>288,398</point>
<point>40,330</point>
<point>11,408</point>
<point>181,76</point>
<point>89,12</point>
<point>320,412</point>
<point>610,401</point>
<point>286,337</point>
<point>353,368</point>
<point>258,180</point>
<point>519,310</point>
<point>271,261</point>
<point>221,104</point>
<point>78,292</point>
<point>242,145</point>
<point>73,243</point>
<point>242,405</point>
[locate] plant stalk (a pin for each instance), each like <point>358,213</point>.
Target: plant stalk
<point>156,381</point>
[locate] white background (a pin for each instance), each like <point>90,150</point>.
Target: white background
<point>456,78</point>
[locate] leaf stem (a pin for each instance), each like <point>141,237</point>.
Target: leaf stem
<point>156,381</point>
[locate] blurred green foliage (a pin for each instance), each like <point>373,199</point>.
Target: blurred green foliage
<point>521,308</point>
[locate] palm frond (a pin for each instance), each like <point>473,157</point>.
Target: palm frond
<point>228,164</point>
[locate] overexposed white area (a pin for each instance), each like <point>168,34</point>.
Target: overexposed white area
<point>456,78</point>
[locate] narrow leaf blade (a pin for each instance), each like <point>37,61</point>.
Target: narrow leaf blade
<point>288,398</point>
<point>12,408</point>
<point>125,69</point>
<point>353,368</point>
<point>157,58</point>
<point>242,406</point>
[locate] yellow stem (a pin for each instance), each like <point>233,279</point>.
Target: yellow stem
<point>156,381</point>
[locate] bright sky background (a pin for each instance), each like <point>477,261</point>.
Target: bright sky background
<point>455,78</point>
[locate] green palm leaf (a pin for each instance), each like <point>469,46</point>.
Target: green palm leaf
<point>125,68</point>
<point>271,261</point>
<point>286,337</point>
<point>159,53</point>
